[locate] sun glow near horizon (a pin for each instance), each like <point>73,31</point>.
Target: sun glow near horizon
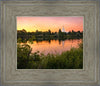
<point>31,24</point>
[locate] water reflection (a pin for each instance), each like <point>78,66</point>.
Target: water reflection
<point>54,46</point>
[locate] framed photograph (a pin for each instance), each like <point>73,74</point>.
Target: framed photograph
<point>50,43</point>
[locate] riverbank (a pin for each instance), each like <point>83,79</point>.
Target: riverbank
<point>72,59</point>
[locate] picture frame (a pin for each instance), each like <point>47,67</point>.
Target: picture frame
<point>90,73</point>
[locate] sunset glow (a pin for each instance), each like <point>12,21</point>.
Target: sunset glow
<point>31,24</point>
<point>50,42</point>
<point>54,46</point>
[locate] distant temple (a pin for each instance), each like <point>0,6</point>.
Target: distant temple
<point>63,30</point>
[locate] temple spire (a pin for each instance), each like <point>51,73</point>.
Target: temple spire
<point>63,29</point>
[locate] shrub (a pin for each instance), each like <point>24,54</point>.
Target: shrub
<point>72,59</point>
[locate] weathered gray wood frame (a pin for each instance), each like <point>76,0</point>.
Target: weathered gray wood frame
<point>89,75</point>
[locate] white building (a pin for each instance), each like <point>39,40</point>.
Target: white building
<point>63,29</point>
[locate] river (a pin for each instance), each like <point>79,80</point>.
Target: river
<point>54,46</point>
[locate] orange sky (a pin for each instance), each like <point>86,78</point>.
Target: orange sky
<point>53,23</point>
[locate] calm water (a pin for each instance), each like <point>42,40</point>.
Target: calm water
<point>54,46</point>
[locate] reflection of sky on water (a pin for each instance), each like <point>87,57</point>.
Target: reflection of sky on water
<point>54,46</point>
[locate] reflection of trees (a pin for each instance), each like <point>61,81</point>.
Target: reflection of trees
<point>49,41</point>
<point>59,42</point>
<point>62,42</point>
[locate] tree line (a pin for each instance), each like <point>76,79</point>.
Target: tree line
<point>23,35</point>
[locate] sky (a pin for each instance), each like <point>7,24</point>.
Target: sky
<point>31,24</point>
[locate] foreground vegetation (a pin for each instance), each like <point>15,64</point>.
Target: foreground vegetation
<point>72,59</point>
